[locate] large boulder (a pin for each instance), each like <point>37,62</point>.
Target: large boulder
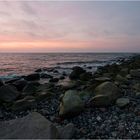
<point>8,93</point>
<point>135,73</point>
<point>109,91</point>
<point>75,74</point>
<point>71,104</point>
<point>32,77</point>
<point>32,126</point>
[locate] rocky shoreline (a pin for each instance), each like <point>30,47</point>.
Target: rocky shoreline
<point>79,104</point>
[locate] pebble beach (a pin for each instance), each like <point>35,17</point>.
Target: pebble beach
<point>75,105</point>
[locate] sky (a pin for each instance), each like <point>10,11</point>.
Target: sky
<point>74,26</point>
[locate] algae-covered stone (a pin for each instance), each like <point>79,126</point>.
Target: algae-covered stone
<point>71,104</point>
<point>109,89</point>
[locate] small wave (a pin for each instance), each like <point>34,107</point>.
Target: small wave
<point>8,77</point>
<point>80,62</point>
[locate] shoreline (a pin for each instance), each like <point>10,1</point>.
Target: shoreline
<point>91,116</point>
<point>60,66</point>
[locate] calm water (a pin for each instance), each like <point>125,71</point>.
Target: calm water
<point>20,64</point>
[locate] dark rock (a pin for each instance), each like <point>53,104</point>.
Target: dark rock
<point>84,95</point>
<point>89,67</point>
<point>39,70</point>
<point>54,80</point>
<point>69,85</point>
<point>121,80</point>
<point>107,75</point>
<point>109,89</point>
<point>55,71</point>
<point>41,96</point>
<point>135,73</point>
<point>128,76</point>
<point>43,92</point>
<point>11,81</point>
<point>113,69</point>
<point>64,73</point>
<point>30,88</point>
<point>85,76</point>
<point>32,77</point>
<point>1,83</point>
<point>102,79</point>
<point>49,69</point>
<point>100,101</point>
<point>136,87</point>
<point>26,103</point>
<point>45,75</point>
<point>32,126</point>
<point>75,74</point>
<point>138,95</point>
<point>8,93</point>
<point>68,131</point>
<point>124,71</point>
<point>122,102</point>
<point>20,84</point>
<point>45,112</point>
<point>62,78</point>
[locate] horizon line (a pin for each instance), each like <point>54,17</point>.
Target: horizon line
<point>70,52</point>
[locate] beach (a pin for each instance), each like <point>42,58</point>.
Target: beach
<point>80,101</point>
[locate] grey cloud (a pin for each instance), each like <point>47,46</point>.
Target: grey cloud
<point>5,14</point>
<point>27,7</point>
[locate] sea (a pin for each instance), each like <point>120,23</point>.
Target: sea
<point>17,64</point>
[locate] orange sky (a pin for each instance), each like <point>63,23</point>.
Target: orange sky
<point>104,45</point>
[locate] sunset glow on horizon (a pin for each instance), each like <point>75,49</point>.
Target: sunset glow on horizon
<point>43,26</point>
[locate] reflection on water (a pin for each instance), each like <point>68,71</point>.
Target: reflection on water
<point>22,63</point>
